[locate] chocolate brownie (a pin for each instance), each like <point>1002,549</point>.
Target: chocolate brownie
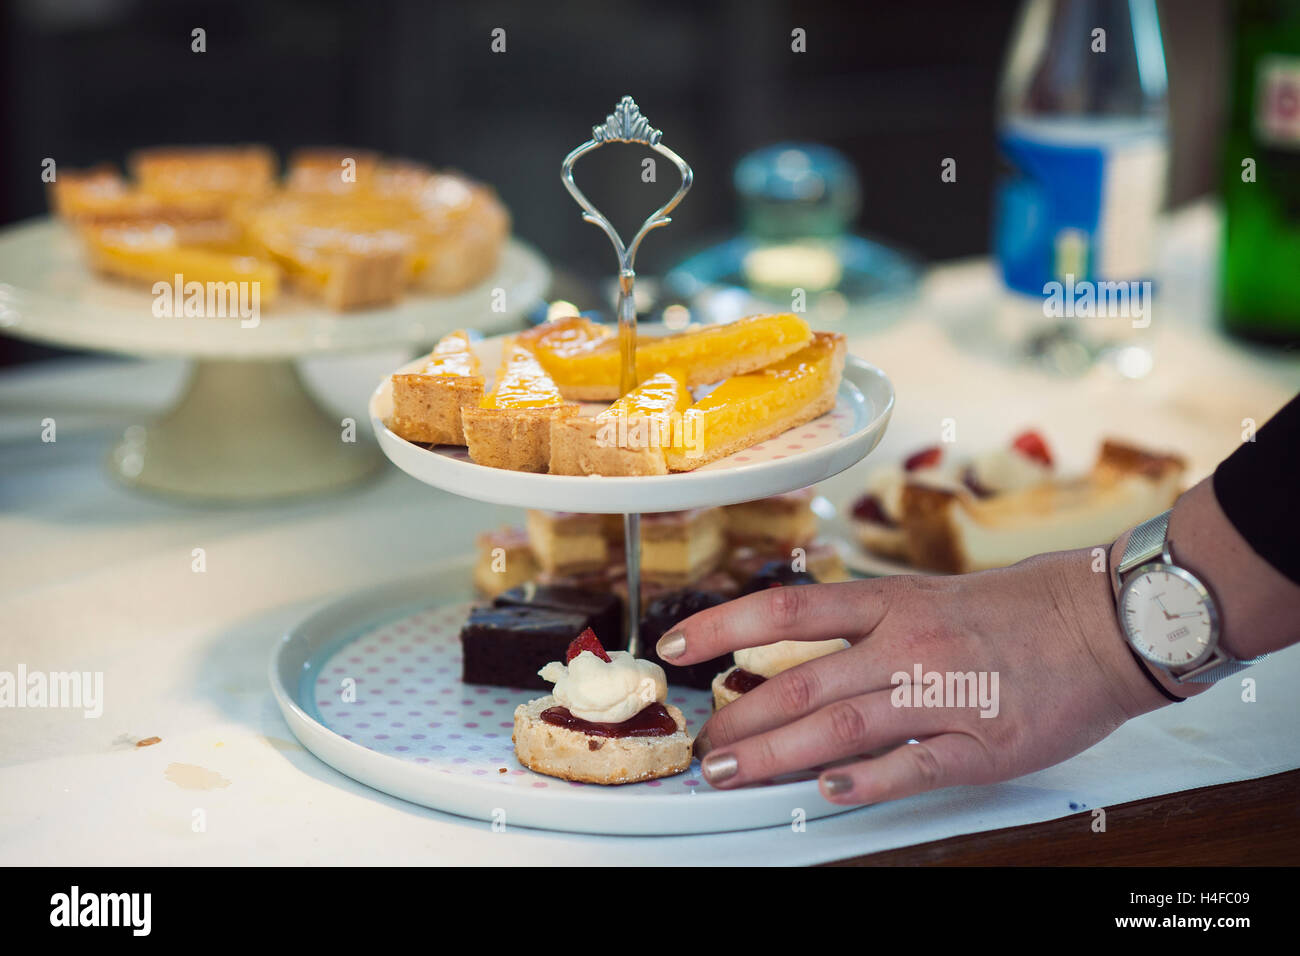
<point>507,646</point>
<point>507,643</point>
<point>604,610</point>
<point>669,609</point>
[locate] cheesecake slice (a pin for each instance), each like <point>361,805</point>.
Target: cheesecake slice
<point>779,522</point>
<point>583,357</point>
<point>747,409</point>
<point>629,437</point>
<point>427,404</point>
<point>511,426</point>
<point>567,544</point>
<point>958,530</point>
<point>504,561</point>
<point>678,548</point>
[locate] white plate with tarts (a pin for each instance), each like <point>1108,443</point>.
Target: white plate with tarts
<point>802,456</point>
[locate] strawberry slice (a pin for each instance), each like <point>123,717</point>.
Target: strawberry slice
<point>925,458</point>
<point>586,641</point>
<point>1031,445</point>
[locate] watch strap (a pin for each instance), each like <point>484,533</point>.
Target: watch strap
<point>1145,542</point>
<point>1215,669</point>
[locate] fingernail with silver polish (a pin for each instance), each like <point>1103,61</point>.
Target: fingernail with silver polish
<point>719,767</point>
<point>671,645</point>
<point>837,784</point>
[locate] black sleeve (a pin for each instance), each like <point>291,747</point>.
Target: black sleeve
<point>1258,486</point>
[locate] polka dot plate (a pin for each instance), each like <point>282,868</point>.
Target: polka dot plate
<point>800,457</point>
<point>371,685</point>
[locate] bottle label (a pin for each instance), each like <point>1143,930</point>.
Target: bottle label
<point>1077,208</point>
<point>1277,101</point>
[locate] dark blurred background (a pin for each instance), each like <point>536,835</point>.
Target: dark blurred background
<point>896,86</point>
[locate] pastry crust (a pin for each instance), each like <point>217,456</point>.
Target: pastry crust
<point>580,446</point>
<point>427,408</point>
<point>364,275</point>
<point>517,439</point>
<point>572,755</point>
<point>722,696</point>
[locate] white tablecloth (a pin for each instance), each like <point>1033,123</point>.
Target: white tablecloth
<point>94,577</point>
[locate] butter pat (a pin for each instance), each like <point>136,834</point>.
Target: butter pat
<point>606,693</point>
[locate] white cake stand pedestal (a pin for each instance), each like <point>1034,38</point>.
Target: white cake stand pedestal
<point>245,428</point>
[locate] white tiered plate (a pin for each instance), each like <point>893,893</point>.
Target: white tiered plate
<point>48,294</point>
<point>416,732</point>
<point>801,456</point>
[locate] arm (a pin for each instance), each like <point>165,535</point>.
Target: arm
<point>1042,633</point>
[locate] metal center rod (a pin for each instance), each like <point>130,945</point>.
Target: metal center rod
<point>632,558</point>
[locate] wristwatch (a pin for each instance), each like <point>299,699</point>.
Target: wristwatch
<point>1167,614</point>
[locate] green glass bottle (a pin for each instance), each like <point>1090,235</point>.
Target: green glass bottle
<point>1261,175</point>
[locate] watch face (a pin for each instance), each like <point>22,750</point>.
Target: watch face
<point>1168,616</point>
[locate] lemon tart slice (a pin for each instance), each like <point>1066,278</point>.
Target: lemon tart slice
<point>427,404</point>
<point>629,437</point>
<point>100,194</point>
<point>206,180</point>
<point>583,357</point>
<point>511,426</point>
<point>153,252</point>
<point>349,250</point>
<point>747,409</point>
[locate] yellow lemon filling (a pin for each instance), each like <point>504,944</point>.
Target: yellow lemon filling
<point>521,383</point>
<point>452,356</point>
<point>580,354</point>
<point>154,255</point>
<point>658,396</point>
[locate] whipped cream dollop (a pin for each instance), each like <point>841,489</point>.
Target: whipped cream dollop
<point>606,693</point>
<point>771,659</point>
<point>1005,470</point>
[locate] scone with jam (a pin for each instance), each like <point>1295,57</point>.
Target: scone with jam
<point>607,721</point>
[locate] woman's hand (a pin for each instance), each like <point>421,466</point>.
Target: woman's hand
<point>1045,627</point>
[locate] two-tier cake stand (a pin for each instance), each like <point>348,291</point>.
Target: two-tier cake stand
<point>454,752</point>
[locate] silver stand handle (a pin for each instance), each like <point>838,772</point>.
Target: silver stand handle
<point>627,125</point>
